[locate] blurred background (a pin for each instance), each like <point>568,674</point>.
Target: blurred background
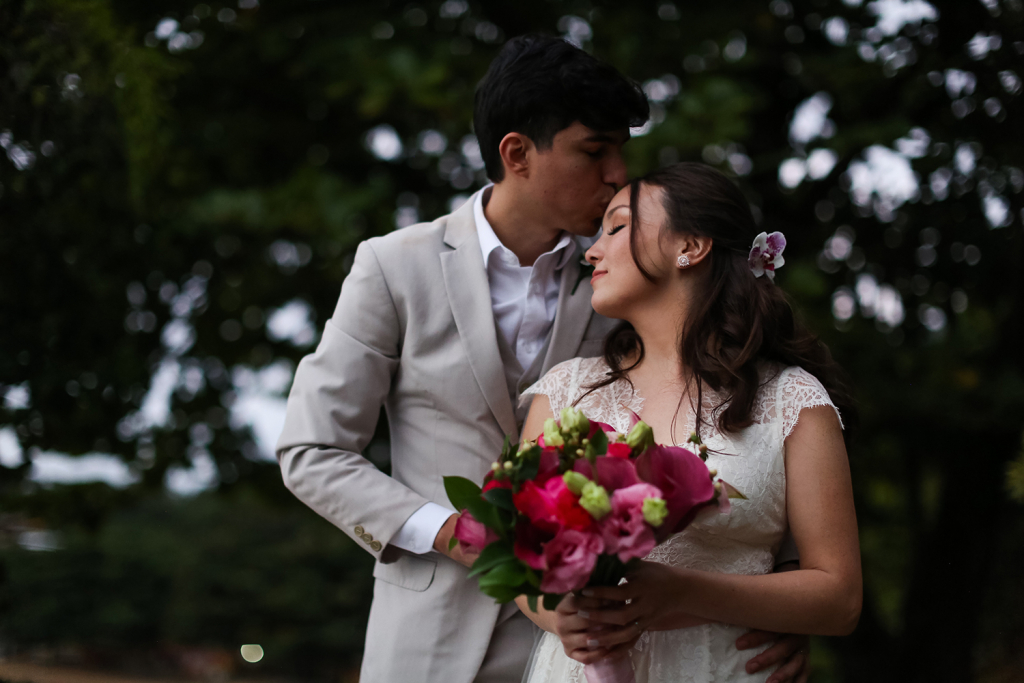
<point>182,188</point>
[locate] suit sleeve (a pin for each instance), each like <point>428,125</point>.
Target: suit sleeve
<point>333,409</point>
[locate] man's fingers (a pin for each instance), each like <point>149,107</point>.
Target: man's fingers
<point>782,650</point>
<point>755,639</point>
<point>805,674</point>
<point>790,670</point>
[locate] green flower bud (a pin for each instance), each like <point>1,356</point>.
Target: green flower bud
<point>575,481</point>
<point>640,437</point>
<point>552,435</point>
<point>574,421</point>
<point>595,500</point>
<point>509,465</point>
<point>655,511</point>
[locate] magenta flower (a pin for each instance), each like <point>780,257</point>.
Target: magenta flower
<point>766,254</point>
<point>683,479</point>
<point>624,530</point>
<point>613,473</point>
<point>529,544</point>
<point>473,536</point>
<point>570,558</point>
<point>619,450</point>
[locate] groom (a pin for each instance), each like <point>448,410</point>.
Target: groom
<point>445,324</point>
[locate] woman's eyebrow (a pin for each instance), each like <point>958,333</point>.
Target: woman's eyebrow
<point>614,209</point>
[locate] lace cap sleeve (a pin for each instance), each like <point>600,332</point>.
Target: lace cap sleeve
<point>558,384</point>
<point>799,389</point>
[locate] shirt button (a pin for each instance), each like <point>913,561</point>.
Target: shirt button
<point>359,531</point>
<point>366,538</point>
<point>376,546</point>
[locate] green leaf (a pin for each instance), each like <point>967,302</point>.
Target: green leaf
<point>485,513</point>
<point>452,542</point>
<point>551,601</point>
<point>530,467</point>
<point>531,601</point>
<point>492,556</point>
<point>501,594</point>
<point>509,574</point>
<point>461,491</point>
<point>501,498</point>
<point>598,444</point>
<point>532,578</point>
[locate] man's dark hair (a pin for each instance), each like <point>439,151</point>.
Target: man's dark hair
<point>539,85</point>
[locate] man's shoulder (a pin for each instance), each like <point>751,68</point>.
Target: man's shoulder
<point>410,242</point>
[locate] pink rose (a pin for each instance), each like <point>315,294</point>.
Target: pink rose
<point>624,530</point>
<point>570,557</point>
<point>552,507</point>
<point>472,535</point>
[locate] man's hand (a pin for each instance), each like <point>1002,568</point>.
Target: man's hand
<point>790,649</point>
<point>443,538</point>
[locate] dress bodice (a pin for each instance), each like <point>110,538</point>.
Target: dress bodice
<point>743,542</point>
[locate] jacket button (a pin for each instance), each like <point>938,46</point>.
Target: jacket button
<point>359,531</point>
<point>366,538</point>
<point>376,546</point>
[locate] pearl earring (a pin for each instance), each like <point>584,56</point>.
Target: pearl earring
<point>683,261</point>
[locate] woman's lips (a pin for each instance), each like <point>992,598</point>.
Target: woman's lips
<point>597,274</point>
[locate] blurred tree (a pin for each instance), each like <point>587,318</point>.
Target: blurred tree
<point>181,181</point>
<point>213,570</point>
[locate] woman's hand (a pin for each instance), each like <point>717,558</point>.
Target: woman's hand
<point>586,641</point>
<point>644,602</point>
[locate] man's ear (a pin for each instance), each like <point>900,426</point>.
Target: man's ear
<point>515,150</point>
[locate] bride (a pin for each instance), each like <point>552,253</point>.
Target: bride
<point>708,344</point>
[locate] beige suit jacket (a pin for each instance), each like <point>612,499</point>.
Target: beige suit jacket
<point>413,331</point>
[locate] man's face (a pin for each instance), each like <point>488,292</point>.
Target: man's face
<point>573,181</point>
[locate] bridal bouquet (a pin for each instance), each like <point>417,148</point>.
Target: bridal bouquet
<point>576,506</point>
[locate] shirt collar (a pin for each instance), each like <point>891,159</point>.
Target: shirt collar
<point>489,240</point>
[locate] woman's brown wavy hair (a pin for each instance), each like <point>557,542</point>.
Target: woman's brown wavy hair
<point>736,320</point>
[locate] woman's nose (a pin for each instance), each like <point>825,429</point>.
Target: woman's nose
<point>592,255</point>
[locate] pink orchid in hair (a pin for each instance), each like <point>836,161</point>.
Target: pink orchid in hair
<point>766,254</point>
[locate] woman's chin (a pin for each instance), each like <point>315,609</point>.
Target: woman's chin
<point>608,309</point>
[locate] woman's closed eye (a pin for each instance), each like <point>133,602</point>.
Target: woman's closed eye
<point>615,229</point>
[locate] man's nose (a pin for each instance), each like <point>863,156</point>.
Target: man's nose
<point>615,172</point>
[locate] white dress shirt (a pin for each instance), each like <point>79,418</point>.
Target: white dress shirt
<point>524,300</point>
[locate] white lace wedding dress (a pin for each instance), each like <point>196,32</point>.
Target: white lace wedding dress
<point>742,542</point>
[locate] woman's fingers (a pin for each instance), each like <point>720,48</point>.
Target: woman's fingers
<point>592,653</point>
<point>619,593</point>
<point>619,616</point>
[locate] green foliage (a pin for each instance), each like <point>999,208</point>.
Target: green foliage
<point>1015,477</point>
<point>169,167</point>
<point>212,570</point>
<point>461,491</point>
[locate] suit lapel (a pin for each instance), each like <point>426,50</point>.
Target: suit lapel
<point>573,314</point>
<point>465,280</point>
